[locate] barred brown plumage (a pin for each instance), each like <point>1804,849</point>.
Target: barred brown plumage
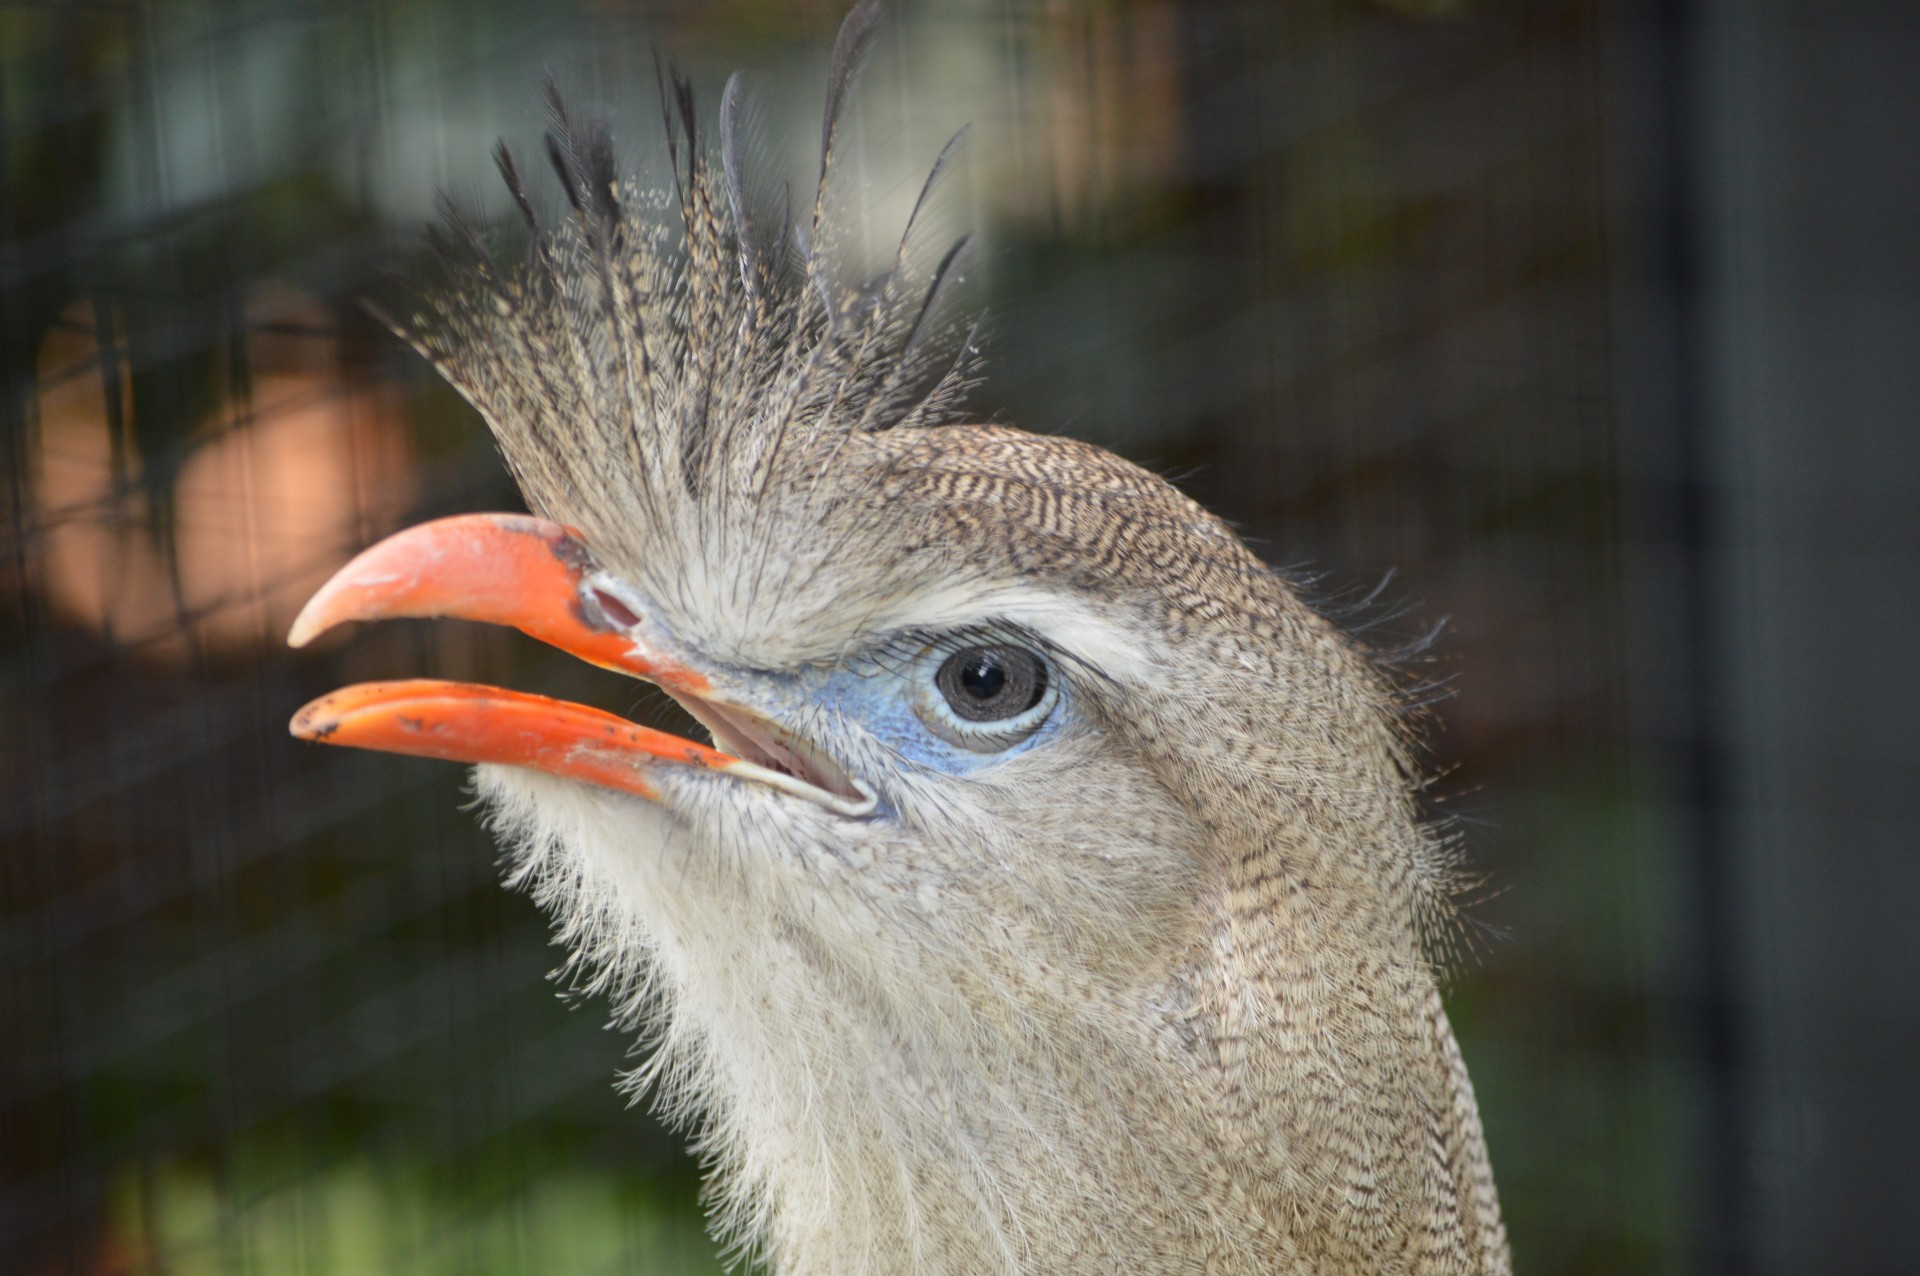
<point>1137,986</point>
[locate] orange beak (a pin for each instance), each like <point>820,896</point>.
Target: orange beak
<point>513,569</point>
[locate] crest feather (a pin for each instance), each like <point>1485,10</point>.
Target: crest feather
<point>667,364</point>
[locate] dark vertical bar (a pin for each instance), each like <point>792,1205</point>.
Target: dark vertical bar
<point>1701,761</point>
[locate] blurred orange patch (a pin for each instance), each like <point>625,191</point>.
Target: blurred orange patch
<point>312,464</point>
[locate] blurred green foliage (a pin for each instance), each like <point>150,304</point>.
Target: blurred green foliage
<point>357,1216</point>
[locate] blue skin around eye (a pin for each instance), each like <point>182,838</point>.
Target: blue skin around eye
<point>880,698</point>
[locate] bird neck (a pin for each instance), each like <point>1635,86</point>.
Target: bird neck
<point>959,1135</point>
<point>1083,1124</point>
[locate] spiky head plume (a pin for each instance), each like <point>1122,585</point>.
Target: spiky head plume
<point>675,372</point>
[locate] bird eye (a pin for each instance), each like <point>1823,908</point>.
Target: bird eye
<point>992,684</point>
<point>988,698</point>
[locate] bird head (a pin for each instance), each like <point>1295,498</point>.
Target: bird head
<point>1049,854</point>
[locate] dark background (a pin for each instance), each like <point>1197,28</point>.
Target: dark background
<point>1597,324</point>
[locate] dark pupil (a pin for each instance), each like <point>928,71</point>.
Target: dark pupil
<point>992,684</point>
<point>983,678</point>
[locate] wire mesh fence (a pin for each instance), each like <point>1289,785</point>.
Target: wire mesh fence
<point>1345,269</point>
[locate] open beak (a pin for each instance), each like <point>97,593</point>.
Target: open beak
<point>539,577</point>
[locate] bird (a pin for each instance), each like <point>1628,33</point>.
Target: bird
<point>1055,894</point>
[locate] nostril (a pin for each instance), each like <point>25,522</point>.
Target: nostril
<point>612,608</point>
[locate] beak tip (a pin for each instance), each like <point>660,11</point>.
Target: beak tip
<point>313,619</point>
<point>315,720</point>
